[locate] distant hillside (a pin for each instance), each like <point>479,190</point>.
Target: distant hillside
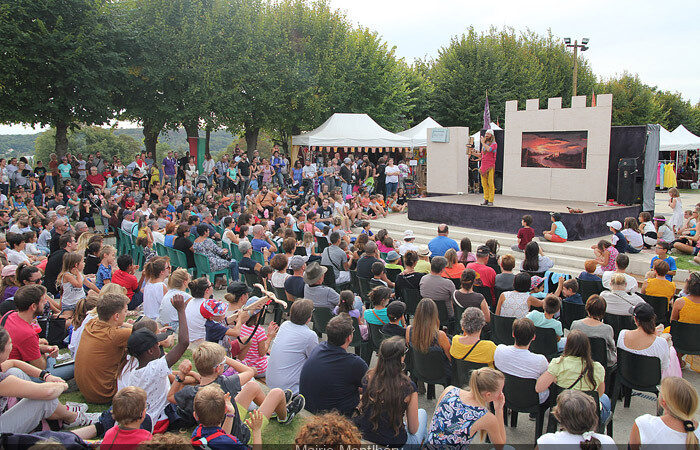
<point>23,144</point>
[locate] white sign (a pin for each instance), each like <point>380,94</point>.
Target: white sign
<point>413,162</point>
<point>440,135</point>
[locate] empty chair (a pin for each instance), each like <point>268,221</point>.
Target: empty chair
<point>431,367</point>
<point>636,373</point>
<point>686,337</point>
<point>502,329</point>
<point>521,397</point>
<point>619,323</point>
<point>571,312</point>
<point>411,297</point>
<point>486,292</point>
<point>321,317</point>
<point>462,371</point>
<point>545,342</point>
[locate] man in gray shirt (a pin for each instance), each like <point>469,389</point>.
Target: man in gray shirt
<point>334,256</point>
<point>294,343</point>
<point>314,290</point>
<point>436,287</point>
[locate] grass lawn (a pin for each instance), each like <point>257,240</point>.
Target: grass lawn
<point>274,433</point>
<point>685,262</point>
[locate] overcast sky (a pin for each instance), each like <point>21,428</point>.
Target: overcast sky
<point>658,40</point>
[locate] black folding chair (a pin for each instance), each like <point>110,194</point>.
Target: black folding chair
<point>445,321</point>
<point>502,329</point>
<point>411,297</point>
<point>635,373</point>
<point>431,368</point>
<point>363,348</point>
<point>686,337</point>
<point>321,317</point>
<point>521,397</point>
<point>545,342</point>
<point>486,292</point>
<point>619,323</point>
<point>462,371</point>
<point>660,305</point>
<point>571,312</point>
<point>589,287</point>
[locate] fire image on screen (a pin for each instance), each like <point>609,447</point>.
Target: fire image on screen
<point>554,149</point>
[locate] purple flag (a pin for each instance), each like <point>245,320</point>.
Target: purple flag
<point>487,114</point>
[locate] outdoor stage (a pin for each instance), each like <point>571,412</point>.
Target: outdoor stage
<point>505,215</point>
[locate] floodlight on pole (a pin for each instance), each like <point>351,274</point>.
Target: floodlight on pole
<point>576,46</point>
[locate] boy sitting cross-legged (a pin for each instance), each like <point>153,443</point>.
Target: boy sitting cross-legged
<point>129,410</point>
<point>211,407</point>
<point>211,362</point>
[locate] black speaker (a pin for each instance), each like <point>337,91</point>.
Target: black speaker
<point>628,176</point>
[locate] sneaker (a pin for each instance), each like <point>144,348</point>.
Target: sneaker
<point>288,394</point>
<point>77,407</point>
<point>84,419</point>
<point>297,404</point>
<point>486,203</point>
<point>532,416</point>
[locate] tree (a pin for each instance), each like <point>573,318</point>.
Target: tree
<point>675,111</point>
<point>88,141</point>
<point>634,103</point>
<point>59,64</point>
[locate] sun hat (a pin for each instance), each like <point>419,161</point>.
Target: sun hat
<point>313,273</point>
<point>423,250</point>
<point>408,235</point>
<point>296,262</point>
<point>614,224</point>
<point>392,256</point>
<point>535,281</point>
<point>211,308</point>
<point>9,270</point>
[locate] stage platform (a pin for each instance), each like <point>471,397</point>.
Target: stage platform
<point>504,216</point>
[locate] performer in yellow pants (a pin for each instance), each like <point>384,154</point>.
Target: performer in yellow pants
<point>488,166</point>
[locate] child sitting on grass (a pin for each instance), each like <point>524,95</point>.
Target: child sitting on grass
<point>129,411</point>
<point>215,413</point>
<point>211,362</point>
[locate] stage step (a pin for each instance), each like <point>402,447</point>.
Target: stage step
<point>568,257</point>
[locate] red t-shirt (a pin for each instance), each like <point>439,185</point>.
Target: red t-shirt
<point>525,235</point>
<point>127,280</point>
<point>119,439</point>
<point>96,179</point>
<point>486,274</point>
<point>25,341</point>
<point>488,157</point>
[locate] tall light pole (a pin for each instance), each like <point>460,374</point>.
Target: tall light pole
<point>583,46</point>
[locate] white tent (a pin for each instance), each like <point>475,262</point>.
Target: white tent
<point>350,130</point>
<point>418,134</point>
<point>678,140</point>
<point>477,135</point>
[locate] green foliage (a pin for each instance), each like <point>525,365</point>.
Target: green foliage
<point>59,62</point>
<point>676,111</point>
<point>21,144</point>
<point>89,140</point>
<point>634,103</point>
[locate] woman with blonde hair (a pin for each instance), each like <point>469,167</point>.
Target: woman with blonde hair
<point>84,240</point>
<point>454,268</point>
<point>677,425</point>
<point>459,414</point>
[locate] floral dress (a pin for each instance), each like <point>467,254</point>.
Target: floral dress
<point>214,254</point>
<point>453,420</point>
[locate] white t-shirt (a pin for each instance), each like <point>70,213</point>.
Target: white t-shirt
<point>521,363</point>
<point>16,257</point>
<point>658,348</point>
<point>392,174</point>
<point>152,298</point>
<point>632,283</point>
<point>154,380</point>
<point>208,166</point>
<point>167,315</point>
<point>278,278</point>
<point>649,228</point>
<point>407,246</point>
<point>77,333</point>
<point>308,171</point>
<point>633,238</point>
<point>195,320</point>
<point>653,431</point>
<point>562,438</point>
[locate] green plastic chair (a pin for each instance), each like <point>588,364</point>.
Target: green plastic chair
<point>137,255</point>
<point>181,259</point>
<point>237,255</point>
<point>204,268</point>
<point>258,257</point>
<point>160,249</point>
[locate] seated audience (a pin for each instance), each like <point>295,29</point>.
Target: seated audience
<point>423,264</point>
<point>535,261</point>
<point>551,306</point>
<point>257,338</point>
<point>589,272</point>
<point>129,409</point>
<point>460,414</point>
<point>525,234</point>
<point>662,248</point>
<point>437,288</point>
<point>593,327</point>
<point>331,429</point>
<point>575,369</point>
<point>576,413</point>
<point>395,312</point>
<point>409,278</point>
<point>622,261</point>
<point>379,277</point>
<point>656,284</point>
<point>322,296</point>
<point>618,300</point>
<point>558,232</point>
<point>487,275</point>
<point>294,345</point>
<point>504,280</point>
<point>331,378</point>
<point>424,334</point>
<point>453,269</point>
<point>677,426</point>
<point>517,303</point>
<point>388,412</point>
<point>465,297</point>
<point>605,257</point>
<point>568,291</point>
<point>294,284</point>
<point>643,340</point>
<point>687,309</point>
<point>517,359</point>
<point>469,346</point>
<point>379,297</point>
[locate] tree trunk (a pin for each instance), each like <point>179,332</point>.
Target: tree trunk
<point>206,142</point>
<point>251,138</point>
<point>150,138</point>
<point>192,128</point>
<point>61,139</point>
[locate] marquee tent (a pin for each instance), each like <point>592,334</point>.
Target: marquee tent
<point>678,140</point>
<point>350,130</point>
<point>419,134</point>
